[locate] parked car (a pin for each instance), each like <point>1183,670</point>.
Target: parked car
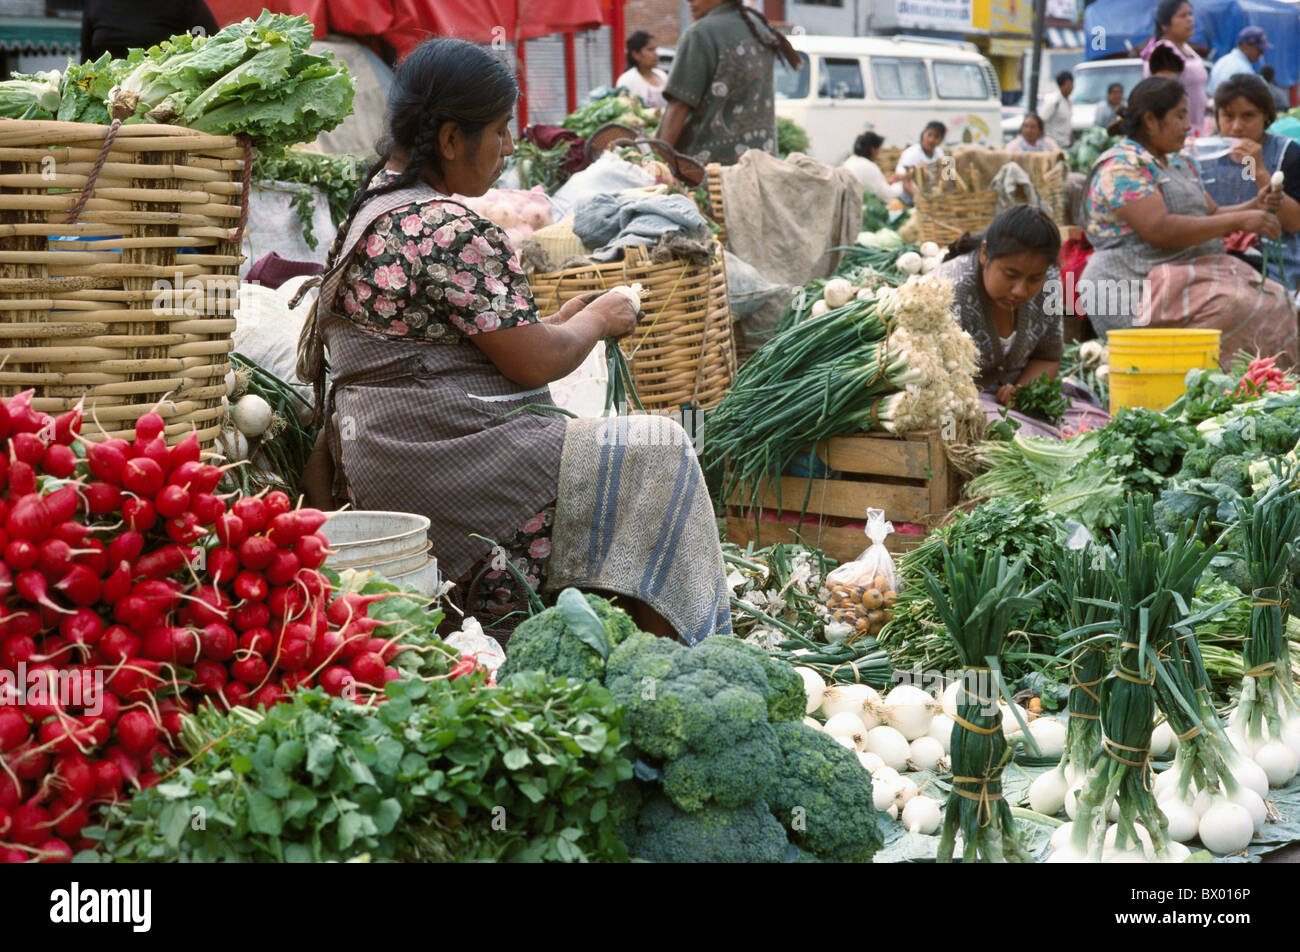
<point>890,85</point>
<point>1090,83</point>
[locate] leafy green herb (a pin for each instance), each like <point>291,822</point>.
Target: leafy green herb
<point>336,176</point>
<point>1042,399</point>
<point>790,137</point>
<point>1142,447</point>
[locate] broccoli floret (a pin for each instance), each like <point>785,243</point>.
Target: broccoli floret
<point>545,643</point>
<point>742,663</point>
<point>702,711</point>
<point>824,796</point>
<point>715,834</point>
<point>1197,462</point>
<point>1234,472</point>
<point>1272,434</point>
<point>1290,418</point>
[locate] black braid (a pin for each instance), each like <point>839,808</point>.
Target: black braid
<point>774,41</point>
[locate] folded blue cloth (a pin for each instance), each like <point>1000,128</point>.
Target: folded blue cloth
<point>610,222</point>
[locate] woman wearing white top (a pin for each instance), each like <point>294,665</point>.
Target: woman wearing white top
<point>862,163</point>
<point>643,77</point>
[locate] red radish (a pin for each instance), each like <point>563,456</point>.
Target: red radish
<point>209,477</point>
<point>207,507</point>
<point>4,469</point>
<point>82,627</point>
<point>252,615</point>
<point>187,450</point>
<point>294,654</point>
<point>67,426</point>
<point>210,676</point>
<point>6,581</point>
<point>284,529</point>
<point>6,824</point>
<point>117,585</point>
<point>14,729</point>
<point>142,476</point>
<point>139,514</point>
<point>287,601</point>
<point>28,519</point>
<point>74,818</point>
<point>59,461</point>
<point>223,565</point>
<point>277,503</point>
<point>392,674</point>
<point>28,763</point>
<point>11,791</point>
<point>94,556</point>
<point>156,450</point>
<point>257,641</point>
<point>186,476</point>
<point>250,586</point>
<point>8,855</point>
<point>31,824</point>
<point>327,647</point>
<point>54,556</point>
<point>31,586</point>
<point>6,424</point>
<point>185,529</point>
<point>236,694</point>
<point>250,670</point>
<point>80,585</point>
<point>231,530</point>
<point>267,697</point>
<point>62,504</point>
<point>111,707</point>
<point>107,460</point>
<point>294,680</point>
<point>386,649</point>
<point>283,568</point>
<point>171,724</point>
<point>136,732</point>
<point>23,622</point>
<point>207,604</point>
<point>368,668</point>
<point>22,478</point>
<point>149,427</point>
<point>337,680</point>
<point>219,641</point>
<point>136,678</point>
<point>108,778</point>
<point>136,613</point>
<point>252,511</point>
<point>159,593</point>
<point>171,501</point>
<point>314,584</point>
<point>127,766</point>
<point>162,562</point>
<point>74,774</point>
<point>103,498</point>
<point>118,644</point>
<point>255,552</point>
<point>54,850</point>
<point>126,546</point>
<point>28,447</point>
<point>352,605</point>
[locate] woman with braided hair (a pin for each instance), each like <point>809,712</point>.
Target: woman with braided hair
<point>721,91</point>
<point>434,398</point>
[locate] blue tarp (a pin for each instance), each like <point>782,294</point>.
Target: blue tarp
<point>1119,25</point>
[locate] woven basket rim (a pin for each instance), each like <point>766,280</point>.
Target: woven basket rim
<point>126,131</point>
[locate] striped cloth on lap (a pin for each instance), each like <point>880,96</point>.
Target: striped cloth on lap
<point>634,517</point>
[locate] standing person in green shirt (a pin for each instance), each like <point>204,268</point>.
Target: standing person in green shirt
<point>720,93</point>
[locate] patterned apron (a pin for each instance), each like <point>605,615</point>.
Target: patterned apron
<point>416,426</point>
<point>1224,181</point>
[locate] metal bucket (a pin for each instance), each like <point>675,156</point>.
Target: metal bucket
<point>366,539</point>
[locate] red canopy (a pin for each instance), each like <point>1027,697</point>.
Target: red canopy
<point>405,23</point>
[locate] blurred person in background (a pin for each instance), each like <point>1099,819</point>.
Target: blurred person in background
<point>1113,107</point>
<point>1251,46</point>
<point>1031,138</point>
<point>114,26</point>
<point>1058,111</point>
<point>644,78</point>
<point>1280,98</point>
<point>926,152</point>
<point>863,164</point>
<point>722,89</point>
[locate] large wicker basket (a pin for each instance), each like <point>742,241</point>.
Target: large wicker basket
<point>954,199</point>
<point>131,303</point>
<point>682,352</point>
<point>714,182</point>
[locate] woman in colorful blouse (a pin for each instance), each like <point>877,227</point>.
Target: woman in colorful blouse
<point>1031,138</point>
<point>437,354</point>
<point>1159,257</point>
<point>1007,296</point>
<point>1174,25</point>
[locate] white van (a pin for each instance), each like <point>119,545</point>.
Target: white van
<point>891,86</point>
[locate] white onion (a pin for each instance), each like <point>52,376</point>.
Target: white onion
<point>231,381</point>
<point>818,309</point>
<point>1072,801</point>
<point>1162,739</point>
<point>1247,773</point>
<point>1061,835</point>
<point>1245,797</point>
<point>855,698</point>
<point>909,262</point>
<point>1047,793</point>
<point>251,415</point>
<point>837,292</point>
<point>1066,854</point>
<point>882,793</point>
<point>886,775</point>
<point>1124,856</point>
<point>814,688</point>
<point>889,745</point>
<point>1278,761</point>
<point>941,730</point>
<point>949,699</point>
<point>1226,828</point>
<point>929,264</point>
<point>847,724</point>
<point>930,249</point>
<point>1011,726</point>
<point>926,754</point>
<point>921,815</point>
<point>1112,835</point>
<point>905,791</point>
<point>1177,853</point>
<point>910,710</point>
<point>866,294</point>
<point>893,811</point>
<point>1049,734</point>
<point>870,762</point>
<point>1166,781</point>
<point>1183,820</point>
<point>1202,801</point>
<point>813,723</point>
<point>232,444</point>
<point>1291,735</point>
<point>845,741</point>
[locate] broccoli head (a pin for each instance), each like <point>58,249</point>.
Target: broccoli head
<point>546,643</point>
<point>749,665</point>
<point>823,795</point>
<point>1272,434</point>
<point>1233,472</point>
<point>1197,461</point>
<point>730,777</point>
<point>714,834</point>
<point>1288,416</point>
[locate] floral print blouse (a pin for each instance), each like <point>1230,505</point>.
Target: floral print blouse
<point>437,272</point>
<point>1125,178</point>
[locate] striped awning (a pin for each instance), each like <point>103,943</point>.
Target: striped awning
<point>1063,38</point>
<point>39,36</point>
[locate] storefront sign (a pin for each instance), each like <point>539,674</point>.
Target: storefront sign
<point>952,16</point>
<point>1003,16</point>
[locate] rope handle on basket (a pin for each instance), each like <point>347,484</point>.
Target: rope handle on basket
<point>244,190</point>
<point>89,187</point>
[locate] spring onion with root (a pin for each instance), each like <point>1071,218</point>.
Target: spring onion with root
<point>1088,574</point>
<point>1272,248</point>
<point>619,387</point>
<point>983,600</point>
<point>1265,725</point>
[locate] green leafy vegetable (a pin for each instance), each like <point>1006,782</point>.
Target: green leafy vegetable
<point>1042,399</point>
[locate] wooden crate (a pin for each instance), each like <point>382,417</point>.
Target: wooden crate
<point>908,477</point>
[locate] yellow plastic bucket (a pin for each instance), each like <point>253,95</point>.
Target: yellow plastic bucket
<point>1148,364</point>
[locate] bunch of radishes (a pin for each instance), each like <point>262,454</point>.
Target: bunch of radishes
<point>1264,376</point>
<point>128,569</point>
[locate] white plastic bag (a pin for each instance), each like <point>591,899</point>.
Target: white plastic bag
<point>861,593</point>
<point>471,639</point>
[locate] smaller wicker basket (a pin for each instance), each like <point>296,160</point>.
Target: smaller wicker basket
<point>888,158</point>
<point>683,351</point>
<point>945,212</point>
<point>714,182</point>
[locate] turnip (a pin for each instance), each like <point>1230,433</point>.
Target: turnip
<point>814,688</point>
<point>921,815</point>
<point>941,730</point>
<point>908,709</point>
<point>927,754</point>
<point>889,745</point>
<point>848,725</point>
<point>1278,762</point>
<point>1226,828</point>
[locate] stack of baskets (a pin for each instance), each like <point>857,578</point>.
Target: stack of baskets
<point>955,197</point>
<point>119,270</point>
<point>682,353</point>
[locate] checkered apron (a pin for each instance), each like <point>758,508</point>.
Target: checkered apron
<point>415,426</point>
